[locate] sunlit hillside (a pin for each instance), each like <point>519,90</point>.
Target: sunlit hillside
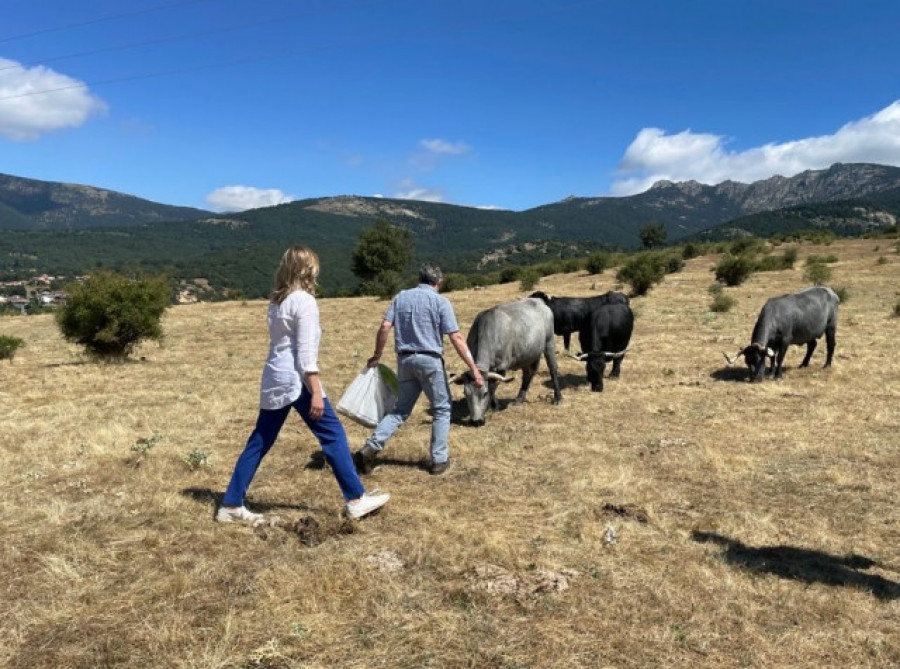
<point>681,518</point>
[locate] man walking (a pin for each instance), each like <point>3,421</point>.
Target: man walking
<point>420,317</point>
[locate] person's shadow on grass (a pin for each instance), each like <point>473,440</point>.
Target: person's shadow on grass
<point>801,564</point>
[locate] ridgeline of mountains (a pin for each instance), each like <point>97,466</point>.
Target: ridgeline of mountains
<point>68,229</point>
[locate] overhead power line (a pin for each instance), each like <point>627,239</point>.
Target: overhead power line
<point>102,19</point>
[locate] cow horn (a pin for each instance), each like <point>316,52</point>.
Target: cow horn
<point>572,355</point>
<point>733,360</point>
<point>614,355</point>
<point>770,352</point>
<point>456,378</point>
<point>494,376</point>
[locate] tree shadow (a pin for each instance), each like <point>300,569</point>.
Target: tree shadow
<point>214,498</point>
<point>801,564</point>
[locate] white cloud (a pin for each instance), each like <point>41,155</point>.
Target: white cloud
<point>409,190</point>
<point>655,155</point>
<point>240,198</point>
<point>26,113</point>
<point>442,146</point>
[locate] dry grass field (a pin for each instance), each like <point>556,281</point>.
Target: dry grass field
<point>681,518</point>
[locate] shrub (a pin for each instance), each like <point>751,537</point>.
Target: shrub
<point>843,293</point>
<point>734,270</point>
<point>817,273</point>
<point>528,279</point>
<point>9,346</point>
<point>642,272</point>
<point>571,265</point>
<point>674,263</point>
<point>897,309</point>
<point>597,262</point>
<point>109,313</point>
<point>746,245</point>
<point>821,260</point>
<point>455,281</point>
<point>690,250</point>
<point>385,285</point>
<point>510,274</point>
<point>882,260</point>
<point>715,289</point>
<point>722,303</point>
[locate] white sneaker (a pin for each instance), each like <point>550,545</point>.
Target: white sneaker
<point>367,504</point>
<point>238,515</point>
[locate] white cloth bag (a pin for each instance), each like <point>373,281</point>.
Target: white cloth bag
<point>371,395</point>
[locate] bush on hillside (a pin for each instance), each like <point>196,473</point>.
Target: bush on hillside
<point>817,273</point>
<point>510,274</point>
<point>597,262</point>
<point>642,272</point>
<point>9,346</point>
<point>385,285</point>
<point>109,314</point>
<point>528,279</point>
<point>734,270</point>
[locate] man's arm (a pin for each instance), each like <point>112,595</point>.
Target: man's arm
<point>381,338</point>
<point>462,350</point>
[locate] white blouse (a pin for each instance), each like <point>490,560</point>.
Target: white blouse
<point>294,335</point>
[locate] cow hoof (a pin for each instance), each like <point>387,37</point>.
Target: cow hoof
<point>597,389</point>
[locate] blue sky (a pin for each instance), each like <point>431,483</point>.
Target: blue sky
<point>232,104</point>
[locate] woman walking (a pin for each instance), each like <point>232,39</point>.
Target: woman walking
<point>290,378</point>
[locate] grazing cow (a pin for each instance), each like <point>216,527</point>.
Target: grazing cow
<point>508,336</point>
<point>798,318</point>
<point>570,313</point>
<point>603,338</point>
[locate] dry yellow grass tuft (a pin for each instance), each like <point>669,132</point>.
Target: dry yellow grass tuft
<point>680,518</point>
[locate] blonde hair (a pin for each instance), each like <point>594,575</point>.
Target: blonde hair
<point>298,270</point>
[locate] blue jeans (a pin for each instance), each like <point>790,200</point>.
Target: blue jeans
<point>328,430</point>
<point>417,372</point>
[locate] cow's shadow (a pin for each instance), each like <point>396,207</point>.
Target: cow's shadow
<point>805,565</point>
<point>568,381</point>
<point>732,374</point>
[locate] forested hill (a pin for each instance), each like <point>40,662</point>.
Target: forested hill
<point>240,250</point>
<point>29,204</point>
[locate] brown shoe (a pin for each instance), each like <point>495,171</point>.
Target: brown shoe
<point>439,468</point>
<point>364,459</point>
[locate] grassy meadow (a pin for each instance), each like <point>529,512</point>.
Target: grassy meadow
<point>681,518</point>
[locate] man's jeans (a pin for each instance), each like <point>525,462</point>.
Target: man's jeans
<point>418,372</point>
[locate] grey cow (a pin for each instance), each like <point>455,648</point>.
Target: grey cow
<point>798,318</point>
<point>509,336</point>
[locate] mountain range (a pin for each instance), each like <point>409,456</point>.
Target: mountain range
<point>66,228</point>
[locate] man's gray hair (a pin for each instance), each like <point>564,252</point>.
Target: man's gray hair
<point>430,274</point>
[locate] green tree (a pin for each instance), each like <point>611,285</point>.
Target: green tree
<point>653,235</point>
<point>109,313</point>
<point>381,248</point>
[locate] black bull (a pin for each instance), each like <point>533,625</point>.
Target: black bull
<point>570,314</point>
<point>799,318</point>
<point>603,338</point>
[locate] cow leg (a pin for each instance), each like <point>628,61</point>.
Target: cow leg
<point>830,342</point>
<point>492,394</point>
<point>616,368</point>
<point>779,359</point>
<point>567,339</point>
<point>810,347</point>
<point>527,374</point>
<point>550,357</point>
